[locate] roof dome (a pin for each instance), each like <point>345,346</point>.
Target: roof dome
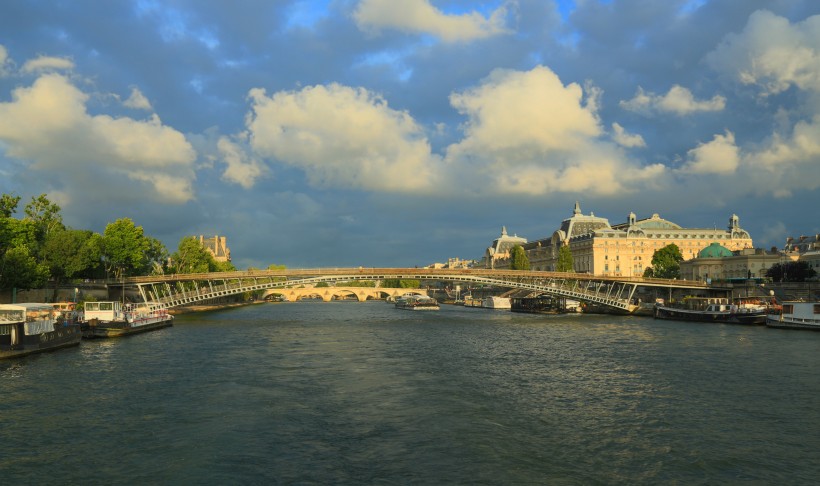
<point>715,250</point>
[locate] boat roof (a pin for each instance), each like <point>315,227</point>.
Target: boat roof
<point>26,306</point>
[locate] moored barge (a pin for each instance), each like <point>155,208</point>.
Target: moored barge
<point>712,309</point>
<point>113,319</point>
<point>34,328</point>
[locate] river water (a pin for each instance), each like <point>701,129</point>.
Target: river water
<point>363,393</point>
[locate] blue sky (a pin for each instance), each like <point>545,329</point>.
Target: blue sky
<point>400,133</point>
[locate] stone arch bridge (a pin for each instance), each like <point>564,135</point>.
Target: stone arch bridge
<point>330,293</point>
<point>613,293</point>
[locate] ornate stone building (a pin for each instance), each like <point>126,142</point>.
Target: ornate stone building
<point>716,262</point>
<point>625,249</point>
<point>498,254</point>
<point>217,246</point>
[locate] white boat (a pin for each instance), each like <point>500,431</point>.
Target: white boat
<point>796,315</point>
<point>417,302</point>
<point>493,302</point>
<point>34,328</point>
<point>113,319</point>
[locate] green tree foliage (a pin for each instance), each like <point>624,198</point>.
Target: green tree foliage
<point>156,257</point>
<point>274,266</point>
<point>45,215</point>
<point>19,269</point>
<point>8,205</point>
<point>395,283</point>
<point>565,261</point>
<point>124,248</point>
<point>192,257</point>
<point>519,260</point>
<point>666,262</point>
<point>791,272</point>
<point>648,272</point>
<point>71,253</point>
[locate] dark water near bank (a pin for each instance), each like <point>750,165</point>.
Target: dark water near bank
<point>346,392</point>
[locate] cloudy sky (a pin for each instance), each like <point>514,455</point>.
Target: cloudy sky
<point>403,132</point>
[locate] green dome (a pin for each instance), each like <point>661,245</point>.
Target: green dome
<point>715,250</point>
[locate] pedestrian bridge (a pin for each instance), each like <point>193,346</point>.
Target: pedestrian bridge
<point>614,293</point>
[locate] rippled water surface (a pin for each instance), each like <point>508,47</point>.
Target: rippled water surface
<point>347,392</point>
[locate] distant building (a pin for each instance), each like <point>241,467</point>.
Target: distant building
<point>500,249</point>
<point>217,246</point>
<point>716,262</point>
<point>622,250</point>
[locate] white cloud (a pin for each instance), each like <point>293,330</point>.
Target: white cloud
<point>242,169</point>
<point>137,100</point>
<point>719,156</point>
<point>790,162</point>
<point>529,133</point>
<point>47,63</point>
<point>678,101</point>
<point>343,137</point>
<point>772,53</point>
<point>47,124</point>
<point>624,139</point>
<point>419,16</point>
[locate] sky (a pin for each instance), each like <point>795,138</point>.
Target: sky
<point>377,133</point>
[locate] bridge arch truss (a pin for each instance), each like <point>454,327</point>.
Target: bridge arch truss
<point>166,291</point>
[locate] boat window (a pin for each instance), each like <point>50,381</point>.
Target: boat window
<point>106,306</point>
<point>817,308</point>
<point>788,309</point>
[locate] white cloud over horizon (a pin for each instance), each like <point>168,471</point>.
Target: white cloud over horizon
<point>47,124</point>
<point>678,101</point>
<point>478,115</point>
<point>420,16</point>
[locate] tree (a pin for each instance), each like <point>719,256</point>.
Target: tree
<point>791,272</point>
<point>124,248</point>
<point>395,283</point>
<point>519,260</point>
<point>8,205</point>
<point>19,269</point>
<point>156,256</point>
<point>45,215</point>
<point>192,257</point>
<point>565,261</point>
<point>666,262</point>
<point>69,253</point>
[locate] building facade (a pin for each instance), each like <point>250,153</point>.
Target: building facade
<point>626,249</point>
<point>716,262</point>
<point>497,255</point>
<point>217,246</point>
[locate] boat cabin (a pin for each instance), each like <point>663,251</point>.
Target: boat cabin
<point>103,311</point>
<point>18,320</point>
<point>706,303</point>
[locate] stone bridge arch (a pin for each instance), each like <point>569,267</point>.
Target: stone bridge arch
<point>329,293</point>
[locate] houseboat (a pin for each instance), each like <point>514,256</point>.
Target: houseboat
<point>417,303</point>
<point>712,309</point>
<point>796,315</point>
<point>34,328</point>
<point>114,319</point>
<point>500,303</point>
